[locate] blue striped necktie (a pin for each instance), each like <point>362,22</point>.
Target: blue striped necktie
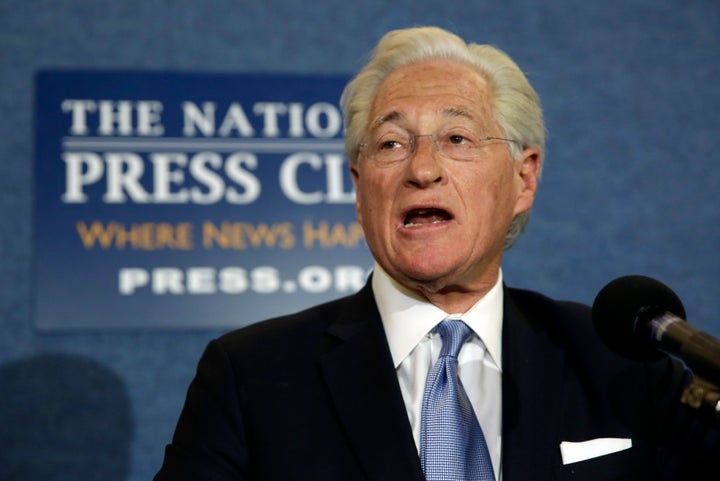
<point>452,444</point>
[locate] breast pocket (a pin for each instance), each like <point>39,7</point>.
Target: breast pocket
<point>627,465</point>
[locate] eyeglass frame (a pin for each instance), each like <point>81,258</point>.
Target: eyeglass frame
<point>433,137</point>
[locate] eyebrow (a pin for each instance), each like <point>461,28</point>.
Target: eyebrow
<point>396,116</point>
<point>455,112</point>
<point>391,117</point>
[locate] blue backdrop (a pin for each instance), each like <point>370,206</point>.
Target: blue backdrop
<point>180,200</point>
<point>630,91</point>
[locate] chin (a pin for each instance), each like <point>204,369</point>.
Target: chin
<point>426,273</point>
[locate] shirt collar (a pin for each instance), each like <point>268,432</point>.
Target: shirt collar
<point>408,317</point>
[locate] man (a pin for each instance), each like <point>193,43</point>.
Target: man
<point>445,142</point>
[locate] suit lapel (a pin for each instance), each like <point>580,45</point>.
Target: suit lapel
<point>363,384</point>
<point>532,383</point>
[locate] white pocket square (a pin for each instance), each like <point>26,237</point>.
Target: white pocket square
<point>575,452</point>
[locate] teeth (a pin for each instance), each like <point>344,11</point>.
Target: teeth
<point>413,224</point>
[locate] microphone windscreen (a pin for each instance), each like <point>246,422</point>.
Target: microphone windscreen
<point>618,310</point>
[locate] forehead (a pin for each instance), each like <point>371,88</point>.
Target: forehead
<point>428,90</point>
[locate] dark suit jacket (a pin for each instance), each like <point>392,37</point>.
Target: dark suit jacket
<point>314,396</point>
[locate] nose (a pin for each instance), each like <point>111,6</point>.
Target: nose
<point>424,166</point>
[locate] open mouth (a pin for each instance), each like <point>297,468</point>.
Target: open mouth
<point>421,217</point>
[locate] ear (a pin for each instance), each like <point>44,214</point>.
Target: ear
<point>355,173</point>
<point>527,168</point>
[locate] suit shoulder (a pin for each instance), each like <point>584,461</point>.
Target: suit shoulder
<point>567,323</point>
<point>299,327</point>
<point>537,305</point>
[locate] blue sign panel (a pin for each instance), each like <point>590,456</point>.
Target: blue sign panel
<point>183,200</point>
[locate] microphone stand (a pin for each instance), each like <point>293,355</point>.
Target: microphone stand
<point>703,396</point>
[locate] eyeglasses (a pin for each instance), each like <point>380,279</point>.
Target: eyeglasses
<point>389,149</point>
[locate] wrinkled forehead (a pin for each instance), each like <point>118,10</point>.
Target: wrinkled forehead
<point>433,91</point>
<point>445,115</point>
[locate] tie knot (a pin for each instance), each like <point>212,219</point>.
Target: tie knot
<point>454,333</point>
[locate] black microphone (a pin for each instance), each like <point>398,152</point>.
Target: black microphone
<point>641,318</point>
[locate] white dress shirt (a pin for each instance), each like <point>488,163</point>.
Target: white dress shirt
<point>408,320</point>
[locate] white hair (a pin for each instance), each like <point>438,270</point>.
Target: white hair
<point>515,104</point>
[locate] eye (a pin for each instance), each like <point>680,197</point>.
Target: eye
<point>389,145</point>
<point>457,139</point>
